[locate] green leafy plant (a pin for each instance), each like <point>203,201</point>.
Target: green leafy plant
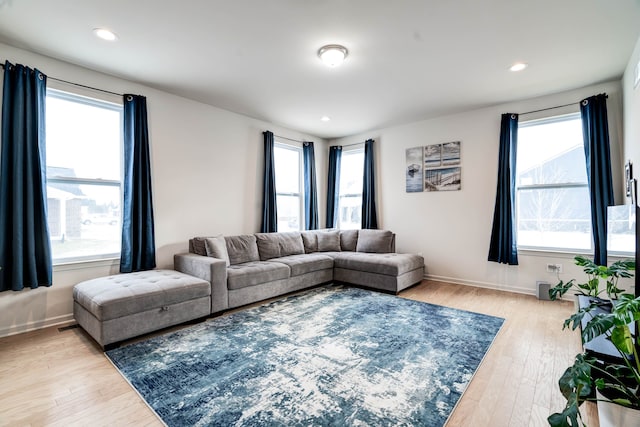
<point>594,273</point>
<point>619,382</point>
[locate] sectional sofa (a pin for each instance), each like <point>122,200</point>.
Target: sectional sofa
<point>220,273</point>
<point>249,268</point>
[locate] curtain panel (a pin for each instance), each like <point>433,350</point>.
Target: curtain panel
<point>333,186</point>
<point>269,205</point>
<point>138,240</point>
<point>595,131</point>
<point>25,249</point>
<point>369,214</point>
<point>310,187</point>
<point>503,247</point>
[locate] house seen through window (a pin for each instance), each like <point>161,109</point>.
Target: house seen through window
<point>552,197</point>
<point>84,192</point>
<point>288,168</point>
<point>350,189</point>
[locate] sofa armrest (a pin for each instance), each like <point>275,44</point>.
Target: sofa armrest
<point>213,270</point>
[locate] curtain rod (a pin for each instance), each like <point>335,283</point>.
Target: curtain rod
<point>545,109</point>
<point>553,108</point>
<point>78,84</point>
<point>290,139</point>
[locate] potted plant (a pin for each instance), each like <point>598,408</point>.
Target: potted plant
<point>617,383</point>
<point>594,273</point>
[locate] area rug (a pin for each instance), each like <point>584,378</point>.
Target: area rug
<point>332,356</point>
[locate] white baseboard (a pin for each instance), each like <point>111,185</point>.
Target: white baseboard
<point>35,325</point>
<point>487,285</point>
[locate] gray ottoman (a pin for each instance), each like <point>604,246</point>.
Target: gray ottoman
<point>122,306</point>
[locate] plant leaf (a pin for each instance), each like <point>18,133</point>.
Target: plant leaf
<point>598,325</point>
<point>623,340</point>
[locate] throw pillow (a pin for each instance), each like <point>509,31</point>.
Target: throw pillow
<point>375,241</point>
<point>199,246</point>
<point>348,240</point>
<point>329,242</point>
<point>217,247</point>
<point>242,248</point>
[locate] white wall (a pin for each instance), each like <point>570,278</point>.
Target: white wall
<point>206,167</point>
<point>452,229</point>
<point>632,113</point>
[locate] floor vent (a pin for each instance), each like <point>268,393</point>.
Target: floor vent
<point>66,328</point>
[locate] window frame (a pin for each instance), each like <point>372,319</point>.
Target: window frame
<point>298,150</point>
<point>566,185</point>
<point>97,99</point>
<point>357,150</point>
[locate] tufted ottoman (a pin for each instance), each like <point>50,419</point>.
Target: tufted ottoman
<point>122,306</point>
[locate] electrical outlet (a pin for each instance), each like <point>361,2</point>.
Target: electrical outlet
<point>554,268</point>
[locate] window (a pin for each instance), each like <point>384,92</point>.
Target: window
<point>84,192</point>
<point>552,198</point>
<point>288,165</point>
<point>350,189</point>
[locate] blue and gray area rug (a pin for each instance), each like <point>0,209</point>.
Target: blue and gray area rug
<point>332,356</point>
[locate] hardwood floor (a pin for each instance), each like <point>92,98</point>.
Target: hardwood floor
<point>61,377</point>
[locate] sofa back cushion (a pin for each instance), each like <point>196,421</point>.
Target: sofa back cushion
<point>375,241</point>
<point>310,241</point>
<point>217,247</point>
<point>242,249</point>
<point>329,241</point>
<point>276,245</point>
<point>348,240</point>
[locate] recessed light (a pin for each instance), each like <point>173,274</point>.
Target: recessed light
<point>518,66</point>
<point>325,118</point>
<point>333,54</point>
<point>105,34</point>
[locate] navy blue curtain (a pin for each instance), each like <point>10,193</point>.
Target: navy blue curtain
<point>333,185</point>
<point>25,250</point>
<point>369,215</point>
<point>503,247</point>
<point>269,206</point>
<point>138,242</point>
<point>310,187</point>
<point>595,131</point>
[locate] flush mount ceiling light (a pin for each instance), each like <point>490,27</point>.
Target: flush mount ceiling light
<point>325,118</point>
<point>518,66</point>
<point>333,54</point>
<point>105,34</point>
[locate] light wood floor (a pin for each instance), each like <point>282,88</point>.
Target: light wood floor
<point>62,378</point>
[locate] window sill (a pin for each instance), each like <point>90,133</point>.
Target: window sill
<point>81,265</point>
<point>569,254</point>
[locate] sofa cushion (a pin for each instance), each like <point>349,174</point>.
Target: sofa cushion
<point>348,240</point>
<point>199,247</point>
<point>389,264</point>
<point>217,247</point>
<point>276,245</point>
<point>255,273</point>
<point>306,263</point>
<point>329,241</point>
<point>242,249</point>
<point>376,241</point>
<point>309,241</point>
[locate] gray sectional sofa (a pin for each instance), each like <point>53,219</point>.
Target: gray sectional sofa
<point>220,273</point>
<point>248,268</point>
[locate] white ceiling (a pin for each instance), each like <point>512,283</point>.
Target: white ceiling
<point>408,59</point>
